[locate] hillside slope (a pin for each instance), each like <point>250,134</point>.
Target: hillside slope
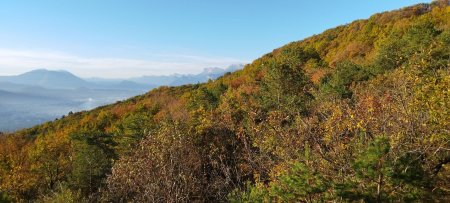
<point>359,112</point>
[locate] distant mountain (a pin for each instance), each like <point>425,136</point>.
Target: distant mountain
<point>6,94</point>
<point>61,79</point>
<point>179,79</point>
<point>43,95</point>
<point>127,84</point>
<point>12,87</point>
<point>12,97</point>
<point>48,79</point>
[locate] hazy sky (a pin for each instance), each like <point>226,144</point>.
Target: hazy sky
<point>124,38</point>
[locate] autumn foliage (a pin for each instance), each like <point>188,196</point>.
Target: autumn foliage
<point>360,112</point>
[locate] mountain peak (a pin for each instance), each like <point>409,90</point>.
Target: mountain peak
<point>43,70</point>
<point>212,70</point>
<point>49,79</point>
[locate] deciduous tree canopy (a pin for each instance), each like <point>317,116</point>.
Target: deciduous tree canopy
<point>360,112</point>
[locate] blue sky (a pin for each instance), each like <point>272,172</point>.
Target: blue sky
<point>125,38</point>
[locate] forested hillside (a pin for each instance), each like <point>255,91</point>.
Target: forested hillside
<point>360,112</point>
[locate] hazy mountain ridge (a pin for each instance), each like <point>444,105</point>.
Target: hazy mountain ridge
<point>182,79</point>
<point>47,79</point>
<point>61,79</point>
<point>42,95</point>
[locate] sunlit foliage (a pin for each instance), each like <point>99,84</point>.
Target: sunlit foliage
<point>360,112</point>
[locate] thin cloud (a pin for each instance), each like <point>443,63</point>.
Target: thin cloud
<point>18,61</point>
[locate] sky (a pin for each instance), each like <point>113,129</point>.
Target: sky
<point>128,38</point>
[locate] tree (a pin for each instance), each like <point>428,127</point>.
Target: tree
<point>62,193</point>
<point>49,160</point>
<point>346,74</point>
<point>133,129</point>
<point>285,88</point>
<point>165,167</point>
<point>92,160</point>
<point>296,184</point>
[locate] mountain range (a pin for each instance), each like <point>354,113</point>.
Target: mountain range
<point>62,79</point>
<point>42,95</point>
